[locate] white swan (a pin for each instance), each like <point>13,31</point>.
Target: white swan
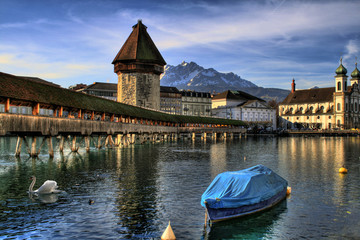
<point>48,187</point>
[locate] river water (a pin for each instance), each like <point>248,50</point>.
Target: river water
<point>132,193</point>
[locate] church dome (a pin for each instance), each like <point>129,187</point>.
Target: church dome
<point>355,74</point>
<point>341,70</point>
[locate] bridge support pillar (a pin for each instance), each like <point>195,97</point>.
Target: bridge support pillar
<point>87,143</point>
<point>18,146</point>
<point>203,136</point>
<point>50,146</point>
<point>109,141</point>
<point>61,145</point>
<point>214,135</point>
<point>74,148</point>
<point>33,152</point>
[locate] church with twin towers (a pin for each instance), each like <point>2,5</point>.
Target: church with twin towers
<point>335,107</point>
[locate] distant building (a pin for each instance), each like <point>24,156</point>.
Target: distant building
<point>170,100</point>
<point>324,108</point>
<point>196,103</point>
<point>138,65</point>
<point>101,89</point>
<point>78,87</point>
<point>243,106</point>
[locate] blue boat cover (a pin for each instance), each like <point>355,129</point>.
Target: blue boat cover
<point>245,187</point>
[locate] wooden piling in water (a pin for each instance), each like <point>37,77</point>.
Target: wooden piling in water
<point>73,146</point>
<point>61,144</point>
<point>87,143</point>
<point>33,152</point>
<point>50,146</point>
<point>18,146</point>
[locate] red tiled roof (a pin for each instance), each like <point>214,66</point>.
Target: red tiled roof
<point>310,96</point>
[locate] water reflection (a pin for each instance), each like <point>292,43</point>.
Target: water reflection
<point>137,190</point>
<point>44,198</point>
<point>257,226</point>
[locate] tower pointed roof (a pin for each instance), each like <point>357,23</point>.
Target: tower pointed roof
<point>341,70</point>
<point>139,47</point>
<point>355,74</point>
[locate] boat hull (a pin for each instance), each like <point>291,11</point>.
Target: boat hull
<point>221,214</point>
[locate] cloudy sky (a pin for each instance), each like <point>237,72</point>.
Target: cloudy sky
<point>267,42</point>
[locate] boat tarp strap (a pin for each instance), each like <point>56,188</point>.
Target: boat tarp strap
<point>245,187</point>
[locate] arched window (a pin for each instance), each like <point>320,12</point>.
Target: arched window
<point>301,109</point>
<point>339,107</point>
<point>339,86</point>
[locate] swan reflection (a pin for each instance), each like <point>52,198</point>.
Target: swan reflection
<point>44,198</point>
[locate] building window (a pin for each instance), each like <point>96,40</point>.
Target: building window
<point>339,86</point>
<point>339,107</point>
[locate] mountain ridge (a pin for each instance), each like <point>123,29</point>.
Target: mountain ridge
<point>191,76</point>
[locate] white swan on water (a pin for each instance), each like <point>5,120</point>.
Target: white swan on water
<point>48,187</point>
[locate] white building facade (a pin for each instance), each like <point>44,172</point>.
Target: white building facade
<point>242,106</point>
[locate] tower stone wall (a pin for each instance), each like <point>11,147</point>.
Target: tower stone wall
<point>139,89</point>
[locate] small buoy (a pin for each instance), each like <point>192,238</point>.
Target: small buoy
<point>91,202</point>
<point>168,234</point>
<point>342,170</point>
<point>288,190</point>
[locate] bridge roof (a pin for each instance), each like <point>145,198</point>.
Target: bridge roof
<point>22,89</point>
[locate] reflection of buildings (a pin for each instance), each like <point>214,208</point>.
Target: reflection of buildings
<point>243,106</point>
<point>218,159</point>
<point>324,108</point>
<point>311,156</point>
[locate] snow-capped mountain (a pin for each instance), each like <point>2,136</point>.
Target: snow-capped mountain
<point>194,77</point>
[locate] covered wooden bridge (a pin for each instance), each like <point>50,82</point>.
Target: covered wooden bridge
<point>31,108</point>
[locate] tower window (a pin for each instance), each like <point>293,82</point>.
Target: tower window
<point>339,107</point>
<point>339,86</point>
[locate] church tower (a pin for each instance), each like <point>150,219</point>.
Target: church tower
<point>340,96</point>
<point>138,65</point>
<point>355,76</point>
<point>341,78</point>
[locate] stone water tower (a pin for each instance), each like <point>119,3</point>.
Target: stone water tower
<point>138,65</point>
